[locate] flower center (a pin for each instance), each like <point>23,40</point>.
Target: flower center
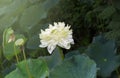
<point>58,35</point>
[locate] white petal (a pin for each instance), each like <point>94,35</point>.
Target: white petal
<point>55,24</point>
<point>64,44</point>
<point>42,45</point>
<point>61,24</point>
<point>51,48</point>
<point>50,26</point>
<point>42,31</point>
<point>67,27</point>
<point>61,44</point>
<point>70,32</point>
<point>71,41</point>
<point>68,46</point>
<point>69,36</point>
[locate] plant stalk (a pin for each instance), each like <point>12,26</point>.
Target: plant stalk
<point>27,68</point>
<point>61,52</point>
<point>17,58</point>
<point>118,73</point>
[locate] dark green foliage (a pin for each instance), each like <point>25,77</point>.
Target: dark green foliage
<point>114,26</point>
<point>111,19</point>
<point>78,66</point>
<point>104,53</point>
<point>107,12</point>
<point>36,68</point>
<point>116,4</point>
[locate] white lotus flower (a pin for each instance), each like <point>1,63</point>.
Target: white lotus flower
<point>56,35</point>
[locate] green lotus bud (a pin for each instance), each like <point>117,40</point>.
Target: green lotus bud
<point>19,42</point>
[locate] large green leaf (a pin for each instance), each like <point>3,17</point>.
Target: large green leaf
<point>10,50</point>
<point>15,74</point>
<point>78,66</point>
<point>54,59</point>
<point>72,53</point>
<point>35,67</point>
<point>104,53</point>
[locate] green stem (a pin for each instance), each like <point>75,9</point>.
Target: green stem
<point>1,59</point>
<point>27,68</point>
<point>1,66</point>
<point>61,52</point>
<point>118,73</point>
<point>17,59</point>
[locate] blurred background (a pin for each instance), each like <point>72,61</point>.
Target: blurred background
<point>88,18</point>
